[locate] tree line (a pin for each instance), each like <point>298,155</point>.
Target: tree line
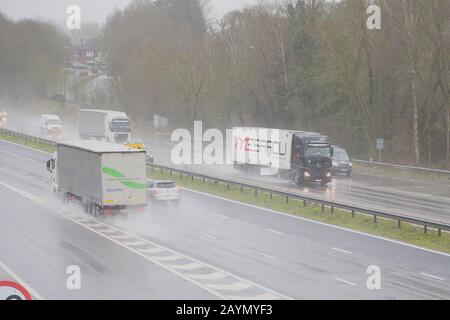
<point>31,53</point>
<point>300,64</point>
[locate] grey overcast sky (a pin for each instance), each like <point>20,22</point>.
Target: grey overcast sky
<point>92,10</point>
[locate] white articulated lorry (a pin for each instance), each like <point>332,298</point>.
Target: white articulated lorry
<point>300,155</point>
<point>106,125</point>
<point>106,178</point>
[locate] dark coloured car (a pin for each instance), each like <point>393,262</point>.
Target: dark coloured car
<point>342,163</point>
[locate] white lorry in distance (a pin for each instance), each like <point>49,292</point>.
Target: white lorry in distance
<point>3,115</point>
<point>106,125</point>
<point>51,125</point>
<point>106,178</point>
<point>301,156</point>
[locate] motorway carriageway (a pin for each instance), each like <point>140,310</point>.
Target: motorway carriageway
<point>394,194</point>
<point>207,248</point>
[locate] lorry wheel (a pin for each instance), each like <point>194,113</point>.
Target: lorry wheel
<point>324,182</point>
<point>298,177</point>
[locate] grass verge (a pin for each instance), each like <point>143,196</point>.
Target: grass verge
<point>28,143</point>
<point>387,228</point>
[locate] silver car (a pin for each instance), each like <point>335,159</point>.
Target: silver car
<point>163,191</point>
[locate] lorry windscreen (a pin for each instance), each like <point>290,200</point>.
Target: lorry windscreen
<point>122,125</point>
<point>318,151</point>
<point>53,122</point>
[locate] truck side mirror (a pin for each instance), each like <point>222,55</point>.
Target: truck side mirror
<point>51,165</point>
<point>332,151</point>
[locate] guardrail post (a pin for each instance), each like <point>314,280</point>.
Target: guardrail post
<point>375,219</point>
<point>304,203</point>
<point>323,207</point>
<point>287,199</point>
<point>215,183</point>
<point>270,195</point>
<point>332,209</point>
<point>192,177</point>
<point>425,229</point>
<point>181,175</point>
<point>161,170</point>
<point>256,192</point>
<point>242,189</point>
<point>439,232</point>
<point>203,180</point>
<point>399,224</point>
<point>228,187</point>
<point>353,213</point>
<point>171,173</point>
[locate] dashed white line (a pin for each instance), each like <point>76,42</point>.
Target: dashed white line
<point>120,237</point>
<point>151,250</point>
<point>223,217</point>
<point>134,243</point>
<point>274,231</point>
<point>342,250</point>
<point>206,235</point>
<point>209,276</point>
<point>189,266</point>
<point>162,220</point>
<point>237,286</point>
<point>266,255</point>
<point>172,257</point>
<point>345,281</point>
<point>431,276</point>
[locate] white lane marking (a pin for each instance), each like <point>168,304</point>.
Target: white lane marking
<point>209,276</point>
<point>172,257</point>
<point>265,255</point>
<point>265,296</point>
<point>162,220</point>
<point>50,207</point>
<point>274,231</point>
<point>93,225</point>
<point>137,243</point>
<point>151,250</point>
<point>189,266</point>
<point>431,276</point>
<point>206,235</point>
<point>118,237</point>
<point>265,210</point>
<point>342,250</point>
<point>237,286</point>
<point>106,231</point>
<point>345,281</point>
<point>223,217</point>
<point>162,265</point>
<point>21,282</point>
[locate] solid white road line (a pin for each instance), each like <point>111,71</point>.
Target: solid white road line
<point>342,250</point>
<point>21,282</point>
<point>431,276</point>
<point>345,281</point>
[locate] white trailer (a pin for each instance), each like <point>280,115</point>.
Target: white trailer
<point>106,125</point>
<point>304,156</point>
<point>106,178</point>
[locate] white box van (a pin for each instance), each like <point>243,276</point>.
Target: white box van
<point>51,125</point>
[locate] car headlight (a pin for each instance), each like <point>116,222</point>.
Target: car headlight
<point>328,174</point>
<point>350,164</point>
<point>335,164</point>
<point>307,174</point>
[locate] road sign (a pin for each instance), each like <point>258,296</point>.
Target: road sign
<point>380,144</point>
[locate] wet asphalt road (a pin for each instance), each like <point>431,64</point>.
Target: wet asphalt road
<point>256,251</point>
<point>406,196</point>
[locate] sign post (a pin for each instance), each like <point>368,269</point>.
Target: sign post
<point>380,147</point>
